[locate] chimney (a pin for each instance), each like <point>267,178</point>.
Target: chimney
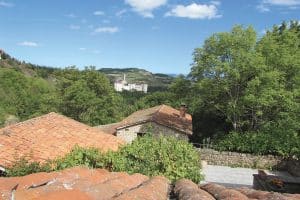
<point>183,109</point>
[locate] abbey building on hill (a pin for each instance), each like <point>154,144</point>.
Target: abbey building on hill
<point>121,85</point>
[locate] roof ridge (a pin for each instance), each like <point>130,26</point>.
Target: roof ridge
<point>29,120</point>
<point>32,120</point>
<point>158,111</point>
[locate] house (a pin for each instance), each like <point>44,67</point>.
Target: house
<point>48,137</point>
<point>121,85</point>
<point>158,120</point>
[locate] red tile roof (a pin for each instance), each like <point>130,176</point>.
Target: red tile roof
<point>84,184</point>
<point>50,136</point>
<point>163,115</point>
<point>93,184</point>
<point>187,190</point>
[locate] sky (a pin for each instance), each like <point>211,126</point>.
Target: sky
<point>157,35</point>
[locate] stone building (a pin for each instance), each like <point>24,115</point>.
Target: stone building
<point>159,120</point>
<point>1,53</point>
<point>121,85</point>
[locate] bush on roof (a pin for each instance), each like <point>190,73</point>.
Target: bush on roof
<point>22,167</point>
<point>148,155</point>
<point>165,156</point>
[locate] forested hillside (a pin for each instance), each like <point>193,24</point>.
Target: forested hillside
<point>28,90</point>
<point>243,91</point>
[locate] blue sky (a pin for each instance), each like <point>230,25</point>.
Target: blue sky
<point>157,35</point>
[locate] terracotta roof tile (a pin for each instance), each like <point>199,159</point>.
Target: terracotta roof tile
<point>99,184</point>
<point>157,188</point>
<point>50,136</point>
<point>262,195</point>
<point>187,190</point>
<point>85,184</point>
<point>222,193</point>
<point>163,114</point>
<point>65,195</point>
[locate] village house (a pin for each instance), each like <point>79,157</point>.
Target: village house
<point>158,120</point>
<point>121,85</point>
<point>48,137</point>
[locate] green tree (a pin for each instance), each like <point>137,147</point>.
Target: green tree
<point>23,96</point>
<point>87,96</point>
<point>222,70</point>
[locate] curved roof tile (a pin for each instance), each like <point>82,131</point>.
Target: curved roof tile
<point>49,136</point>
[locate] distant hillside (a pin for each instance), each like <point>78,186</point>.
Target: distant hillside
<point>156,81</point>
<point>27,69</point>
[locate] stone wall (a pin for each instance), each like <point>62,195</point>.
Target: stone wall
<point>233,159</point>
<point>130,133</point>
<point>158,129</point>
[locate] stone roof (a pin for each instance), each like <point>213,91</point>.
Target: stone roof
<point>50,136</point>
<point>99,184</point>
<point>84,184</point>
<point>163,115</point>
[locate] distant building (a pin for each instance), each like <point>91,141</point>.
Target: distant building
<point>121,85</point>
<point>1,53</point>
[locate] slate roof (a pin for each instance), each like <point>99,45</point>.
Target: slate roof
<point>163,115</point>
<point>50,136</point>
<point>98,184</point>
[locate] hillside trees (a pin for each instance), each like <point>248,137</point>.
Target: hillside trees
<point>24,97</point>
<point>223,70</point>
<point>252,86</point>
<point>87,96</point>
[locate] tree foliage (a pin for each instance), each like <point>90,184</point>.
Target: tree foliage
<point>253,85</point>
<point>87,96</point>
<point>24,97</point>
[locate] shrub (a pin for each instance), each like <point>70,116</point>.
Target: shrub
<point>166,156</point>
<point>90,157</point>
<point>277,142</point>
<point>23,167</point>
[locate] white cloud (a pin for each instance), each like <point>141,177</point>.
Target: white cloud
<point>264,5</point>
<point>71,15</point>
<point>145,7</point>
<point>263,32</point>
<point>195,11</point>
<point>6,4</point>
<point>217,3</point>
<point>262,8</point>
<point>282,2</point>
<point>98,13</point>
<point>28,44</point>
<point>74,27</point>
<point>120,13</point>
<point>82,48</point>
<point>106,29</point>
